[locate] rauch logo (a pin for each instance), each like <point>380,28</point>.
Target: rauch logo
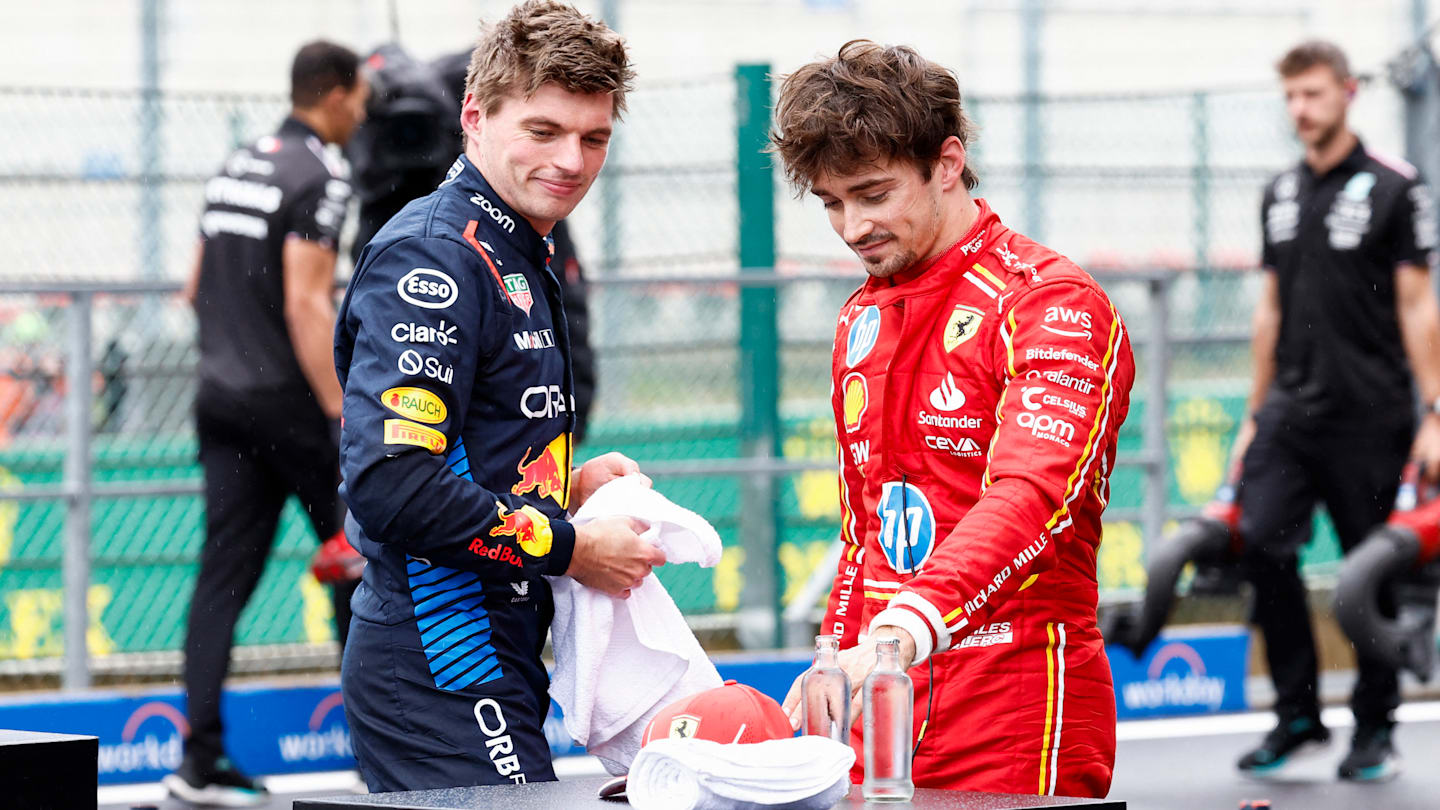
<point>333,742</point>
<point>151,752</point>
<point>1162,689</point>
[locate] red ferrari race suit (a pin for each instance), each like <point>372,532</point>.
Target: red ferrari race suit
<point>977,401</point>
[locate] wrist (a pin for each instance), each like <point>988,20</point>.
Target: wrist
<point>907,642</point>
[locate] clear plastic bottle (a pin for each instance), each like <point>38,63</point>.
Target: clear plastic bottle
<point>825,693</point>
<point>889,722</point>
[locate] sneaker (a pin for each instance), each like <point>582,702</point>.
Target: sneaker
<point>1289,739</point>
<point>217,783</point>
<point>1372,756</point>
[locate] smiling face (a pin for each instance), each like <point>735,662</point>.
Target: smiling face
<point>541,154</point>
<point>888,213</point>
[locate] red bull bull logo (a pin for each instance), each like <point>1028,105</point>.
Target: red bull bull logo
<point>529,527</point>
<point>548,474</point>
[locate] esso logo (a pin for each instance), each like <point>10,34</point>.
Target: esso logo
<point>907,526</point>
<point>428,289</point>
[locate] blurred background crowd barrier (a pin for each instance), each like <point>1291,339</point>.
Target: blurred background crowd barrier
<point>713,300</point>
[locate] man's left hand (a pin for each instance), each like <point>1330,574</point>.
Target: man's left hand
<point>858,662</point>
<point>1426,448</point>
<point>596,473</point>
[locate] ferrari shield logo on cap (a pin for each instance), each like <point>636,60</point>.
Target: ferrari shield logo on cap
<point>683,726</point>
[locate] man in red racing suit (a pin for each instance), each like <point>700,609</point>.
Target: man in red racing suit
<point>980,380</point>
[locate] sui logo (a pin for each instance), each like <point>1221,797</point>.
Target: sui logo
<point>863,334</point>
<point>907,527</point>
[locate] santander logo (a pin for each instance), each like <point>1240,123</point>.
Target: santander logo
<point>947,396</point>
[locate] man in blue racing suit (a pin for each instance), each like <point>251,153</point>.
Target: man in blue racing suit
<point>454,355</point>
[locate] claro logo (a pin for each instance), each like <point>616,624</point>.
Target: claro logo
<point>427,288</point>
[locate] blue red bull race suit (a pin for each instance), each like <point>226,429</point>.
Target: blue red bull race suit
<point>453,351</point>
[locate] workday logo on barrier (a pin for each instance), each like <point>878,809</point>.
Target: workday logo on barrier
<point>152,740</point>
<point>1175,679</point>
<point>328,735</point>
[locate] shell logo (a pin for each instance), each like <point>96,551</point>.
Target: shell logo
<point>856,399</point>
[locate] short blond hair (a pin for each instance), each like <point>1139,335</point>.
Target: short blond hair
<point>542,42</point>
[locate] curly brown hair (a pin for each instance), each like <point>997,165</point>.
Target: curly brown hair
<point>543,41</point>
<point>867,104</point>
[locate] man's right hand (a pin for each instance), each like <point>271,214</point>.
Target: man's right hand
<point>610,556</point>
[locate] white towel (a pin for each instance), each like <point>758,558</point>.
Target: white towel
<point>620,661</point>
<point>795,773</point>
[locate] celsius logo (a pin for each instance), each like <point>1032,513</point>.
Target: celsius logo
<point>1167,685</point>
<point>947,396</point>
<point>501,218</point>
<point>427,288</point>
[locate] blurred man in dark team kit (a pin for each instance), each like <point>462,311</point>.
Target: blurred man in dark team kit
<point>268,406</point>
<point>1346,335</point>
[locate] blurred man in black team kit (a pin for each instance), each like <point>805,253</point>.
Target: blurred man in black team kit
<point>1346,335</point>
<point>268,406</point>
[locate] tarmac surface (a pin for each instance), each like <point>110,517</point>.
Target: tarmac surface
<point>1178,764</point>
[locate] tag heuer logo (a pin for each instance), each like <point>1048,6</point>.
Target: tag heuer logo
<point>964,324</point>
<point>684,726</point>
<point>519,291</point>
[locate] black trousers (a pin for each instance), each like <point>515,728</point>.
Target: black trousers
<point>1288,469</point>
<point>256,451</point>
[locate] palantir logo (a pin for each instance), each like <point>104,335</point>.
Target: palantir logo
<point>1184,684</point>
<point>323,741</point>
<point>152,740</point>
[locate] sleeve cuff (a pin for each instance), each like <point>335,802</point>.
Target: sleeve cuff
<point>562,548</point>
<point>909,621</point>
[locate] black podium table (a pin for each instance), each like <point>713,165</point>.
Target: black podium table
<point>580,793</point>
<point>39,769</point>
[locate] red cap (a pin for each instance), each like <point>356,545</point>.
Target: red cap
<point>733,713</point>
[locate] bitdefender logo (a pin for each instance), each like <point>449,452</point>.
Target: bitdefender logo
<point>1175,678</point>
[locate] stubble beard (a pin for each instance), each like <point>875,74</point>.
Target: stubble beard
<point>889,266</point>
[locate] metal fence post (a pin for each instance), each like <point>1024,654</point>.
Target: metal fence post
<point>759,354</point>
<point>1152,522</point>
<point>78,405</point>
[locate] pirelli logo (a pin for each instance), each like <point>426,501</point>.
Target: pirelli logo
<point>402,431</point>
